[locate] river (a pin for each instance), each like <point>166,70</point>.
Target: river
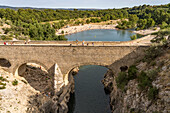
<point>89,96</point>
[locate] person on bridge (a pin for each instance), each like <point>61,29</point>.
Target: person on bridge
<point>12,43</point>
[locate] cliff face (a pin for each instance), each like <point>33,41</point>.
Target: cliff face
<point>14,96</point>
<point>32,92</point>
<point>148,92</point>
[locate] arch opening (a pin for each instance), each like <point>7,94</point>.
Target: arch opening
<point>37,76</point>
<point>88,86</point>
<point>5,63</point>
<point>75,68</point>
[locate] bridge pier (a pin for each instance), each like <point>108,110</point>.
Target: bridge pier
<point>21,69</point>
<point>58,78</point>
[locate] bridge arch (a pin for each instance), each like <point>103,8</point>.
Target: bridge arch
<point>21,67</point>
<point>5,63</point>
<point>36,74</point>
<point>67,76</point>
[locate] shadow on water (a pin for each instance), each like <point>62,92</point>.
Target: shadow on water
<point>72,103</point>
<point>89,96</point>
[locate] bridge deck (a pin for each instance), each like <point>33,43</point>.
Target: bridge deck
<point>145,41</point>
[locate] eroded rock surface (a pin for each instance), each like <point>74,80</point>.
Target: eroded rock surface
<point>133,100</point>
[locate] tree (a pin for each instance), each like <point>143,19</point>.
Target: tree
<point>87,21</point>
<point>133,19</point>
<point>164,25</point>
<point>133,37</point>
<point>62,32</point>
<point>141,24</point>
<point>150,23</point>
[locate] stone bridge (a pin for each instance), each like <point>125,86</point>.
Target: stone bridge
<point>60,60</point>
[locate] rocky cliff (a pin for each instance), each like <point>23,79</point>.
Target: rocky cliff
<point>32,92</point>
<point>142,87</point>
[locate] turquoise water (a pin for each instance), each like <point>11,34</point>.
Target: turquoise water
<point>101,35</point>
<point>89,96</point>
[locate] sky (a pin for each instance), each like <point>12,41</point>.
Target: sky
<point>103,4</point>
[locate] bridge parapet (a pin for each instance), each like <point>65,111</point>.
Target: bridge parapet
<point>138,42</point>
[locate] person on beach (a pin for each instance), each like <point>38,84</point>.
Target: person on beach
<point>76,42</point>
<point>93,43</point>
<point>87,43</point>
<point>4,43</point>
<point>83,43</point>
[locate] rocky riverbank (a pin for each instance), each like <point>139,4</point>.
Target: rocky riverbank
<point>14,96</point>
<point>148,91</point>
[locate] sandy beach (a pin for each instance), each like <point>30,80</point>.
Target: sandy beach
<point>75,29</point>
<point>147,31</point>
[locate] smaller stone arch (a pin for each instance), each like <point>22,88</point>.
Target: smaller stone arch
<point>36,75</point>
<point>5,63</point>
<point>20,68</point>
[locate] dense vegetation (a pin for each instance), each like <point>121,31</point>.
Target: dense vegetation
<point>32,23</point>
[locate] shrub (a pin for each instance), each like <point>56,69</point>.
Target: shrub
<point>155,28</point>
<point>152,74</point>
<point>4,37</point>
<point>15,82</point>
<point>3,79</point>
<point>152,53</point>
<point>132,72</point>
<point>144,81</point>
<point>62,32</point>
<point>161,63</point>
<point>161,36</point>
<point>153,63</point>
<point>87,21</point>
<point>122,80</point>
<point>2,85</point>
<point>152,93</point>
<point>133,37</point>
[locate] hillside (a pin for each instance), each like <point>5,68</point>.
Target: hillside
<point>143,86</point>
<point>16,8</point>
<point>42,24</point>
